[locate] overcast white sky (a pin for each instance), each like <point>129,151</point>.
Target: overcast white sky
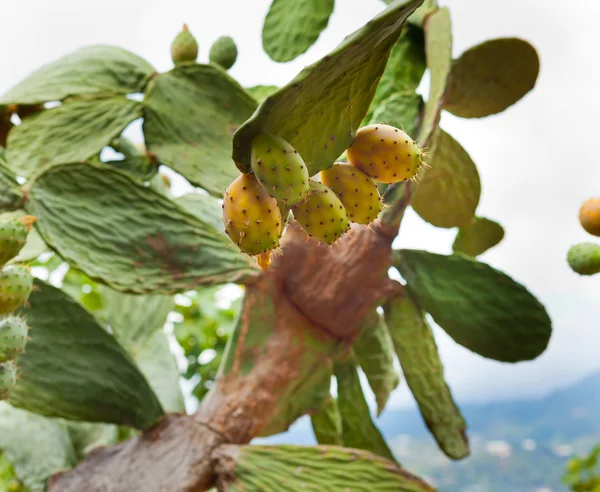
<point>537,160</point>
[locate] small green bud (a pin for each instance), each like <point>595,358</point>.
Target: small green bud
<point>223,52</point>
<point>184,47</point>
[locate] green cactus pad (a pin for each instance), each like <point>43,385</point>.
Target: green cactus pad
<point>74,369</point>
<point>293,26</point>
<point>490,77</point>
<point>73,131</point>
<point>584,258</point>
<point>402,110</point>
<point>91,70</point>
<point>190,114</point>
<point>184,47</point>
<point>319,112</point>
<point>322,215</point>
<point>449,192</point>
<point>374,351</point>
<point>13,236</point>
<point>13,337</point>
<point>261,92</point>
<point>477,237</point>
<point>204,207</point>
<point>252,218</point>
<point>156,246</point>
<point>358,430</point>
<point>327,423</point>
<point>10,195</point>
<point>438,48</point>
<point>15,286</point>
<point>314,468</point>
<point>8,378</point>
<point>223,52</point>
<point>481,308</point>
<point>424,374</point>
<point>279,168</point>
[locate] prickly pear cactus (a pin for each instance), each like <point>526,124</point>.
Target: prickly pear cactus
<point>13,337</point>
<point>13,235</point>
<point>184,47</point>
<point>15,286</point>
<point>223,52</point>
<point>584,258</point>
<point>589,216</point>
<point>8,378</point>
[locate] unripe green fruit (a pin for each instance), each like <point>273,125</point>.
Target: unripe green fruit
<point>13,337</point>
<point>223,52</point>
<point>357,192</point>
<point>322,215</point>
<point>279,168</point>
<point>8,378</point>
<point>184,47</point>
<point>589,216</point>
<point>13,235</point>
<point>15,286</point>
<point>385,154</point>
<point>584,258</point>
<point>252,218</point>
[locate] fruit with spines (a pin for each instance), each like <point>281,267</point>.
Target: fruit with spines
<point>8,378</point>
<point>322,215</point>
<point>252,217</point>
<point>589,216</point>
<point>279,168</point>
<point>357,192</point>
<point>13,236</point>
<point>13,337</point>
<point>16,283</point>
<point>184,47</point>
<point>223,52</point>
<point>584,258</point>
<point>385,154</point>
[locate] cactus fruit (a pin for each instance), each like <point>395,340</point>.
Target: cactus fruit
<point>13,235</point>
<point>357,192</point>
<point>589,216</point>
<point>584,258</point>
<point>322,215</point>
<point>13,337</point>
<point>252,218</point>
<point>279,168</point>
<point>223,52</point>
<point>385,154</point>
<point>184,47</point>
<point>15,286</point>
<point>8,378</point>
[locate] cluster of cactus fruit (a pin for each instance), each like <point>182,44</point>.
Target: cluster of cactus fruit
<point>184,49</point>
<point>15,286</point>
<point>584,258</point>
<point>256,203</point>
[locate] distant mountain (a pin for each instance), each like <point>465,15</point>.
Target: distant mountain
<point>517,446</point>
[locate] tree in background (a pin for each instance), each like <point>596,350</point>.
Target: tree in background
<point>582,472</point>
<point>120,254</point>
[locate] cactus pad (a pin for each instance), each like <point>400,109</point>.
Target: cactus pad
<point>8,378</point>
<point>385,153</point>
<point>223,52</point>
<point>184,47</point>
<point>584,258</point>
<point>477,237</point>
<point>13,337</point>
<point>357,192</point>
<point>13,235</point>
<point>589,216</point>
<point>252,218</point>
<point>322,215</point>
<point>279,168</point>
<point>15,286</point>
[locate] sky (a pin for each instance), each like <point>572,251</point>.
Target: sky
<point>537,160</point>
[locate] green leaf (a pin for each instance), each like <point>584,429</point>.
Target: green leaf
<point>477,237</point>
<point>131,238</point>
<point>135,162</point>
<point>401,110</point>
<point>293,26</point>
<point>75,370</point>
<point>260,92</point>
<point>10,195</point>
<point>449,192</point>
<point>418,18</point>
<point>358,430</point>
<point>438,47</point>
<point>490,77</point>
<point>424,374</point>
<point>74,131</point>
<point>36,447</point>
<point>90,70</point>
<point>481,308</point>
<point>327,423</point>
<point>292,468</point>
<point>190,114</point>
<point>204,207</point>
<point>374,351</point>
<point>319,111</point>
